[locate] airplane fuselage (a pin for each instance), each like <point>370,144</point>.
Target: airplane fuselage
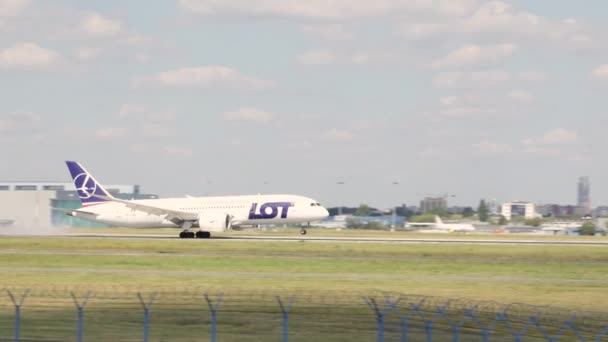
<point>242,210</point>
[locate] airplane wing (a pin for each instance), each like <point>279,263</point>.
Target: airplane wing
<point>170,214</point>
<point>68,211</point>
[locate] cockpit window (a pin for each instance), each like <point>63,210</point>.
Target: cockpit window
<point>315,204</point>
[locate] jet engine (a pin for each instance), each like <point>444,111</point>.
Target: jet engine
<point>214,222</point>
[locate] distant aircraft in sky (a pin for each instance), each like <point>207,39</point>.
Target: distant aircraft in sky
<point>206,214</point>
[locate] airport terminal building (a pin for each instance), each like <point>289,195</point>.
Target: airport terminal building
<point>30,204</point>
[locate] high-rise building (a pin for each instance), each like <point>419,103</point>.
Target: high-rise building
<point>431,203</point>
<point>584,195</point>
<point>525,210</point>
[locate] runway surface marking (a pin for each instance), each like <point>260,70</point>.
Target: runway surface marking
<point>353,276</point>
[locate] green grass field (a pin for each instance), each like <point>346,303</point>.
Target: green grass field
<point>571,277</point>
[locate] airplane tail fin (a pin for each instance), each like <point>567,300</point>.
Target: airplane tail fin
<point>86,185</point>
<point>438,220</point>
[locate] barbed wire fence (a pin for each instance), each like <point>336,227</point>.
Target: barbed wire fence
<point>63,314</point>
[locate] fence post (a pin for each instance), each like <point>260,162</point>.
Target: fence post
<point>18,305</point>
<point>213,308</point>
<point>485,330</point>
<point>371,302</point>
<point>80,308</point>
<point>146,306</point>
<point>570,325</point>
<point>428,325</point>
<point>601,334</point>
<point>404,319</point>
<point>502,316</point>
<point>285,310</point>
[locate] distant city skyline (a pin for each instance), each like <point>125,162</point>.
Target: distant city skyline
<point>396,99</point>
<point>584,194</point>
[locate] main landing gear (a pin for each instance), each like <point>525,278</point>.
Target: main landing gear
<point>190,235</point>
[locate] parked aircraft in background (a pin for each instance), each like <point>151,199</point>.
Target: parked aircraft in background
<point>440,226</point>
<point>453,227</point>
<point>206,214</point>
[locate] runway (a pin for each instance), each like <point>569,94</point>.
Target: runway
<point>286,275</point>
<point>309,238</point>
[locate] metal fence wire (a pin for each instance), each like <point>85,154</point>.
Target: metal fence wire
<point>195,315</point>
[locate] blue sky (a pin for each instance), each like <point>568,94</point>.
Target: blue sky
<point>481,99</point>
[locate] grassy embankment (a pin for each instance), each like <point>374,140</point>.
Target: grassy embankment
<point>573,277</point>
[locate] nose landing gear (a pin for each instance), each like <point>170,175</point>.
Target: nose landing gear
<point>303,229</point>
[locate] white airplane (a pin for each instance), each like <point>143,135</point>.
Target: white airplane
<point>453,227</point>
<point>208,214</point>
<point>439,226</point>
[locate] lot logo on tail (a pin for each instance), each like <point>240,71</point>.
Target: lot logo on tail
<point>85,185</point>
<point>269,210</point>
<point>88,188</point>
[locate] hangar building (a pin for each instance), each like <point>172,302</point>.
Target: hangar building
<point>29,204</point>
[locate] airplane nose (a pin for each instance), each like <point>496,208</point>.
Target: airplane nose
<point>325,213</point>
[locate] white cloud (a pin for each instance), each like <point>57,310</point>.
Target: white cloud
<point>205,76</point>
<point>157,130</point>
<point>480,104</point>
<point>430,152</point>
<point>9,8</point>
<point>87,53</point>
<point>472,79</point>
<point>141,58</point>
<point>499,20</point>
<point>532,76</point>
<point>499,16</point>
<point>324,9</point>
<point>249,115</point>
<point>601,71</point>
<point>317,57</point>
<point>325,57</point>
<point>557,136</point>
<point>475,55</point>
<point>542,151</point>
<point>467,111</point>
<point>176,151</point>
<point>521,96</point>
<point>329,31</point>
<point>29,57</point>
<point>464,106</point>
<point>337,135</point>
<point>299,145</point>
<point>18,122</point>
<point>491,148</point>
<point>139,148</point>
<point>96,25</point>
<point>142,113</point>
<point>111,133</point>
